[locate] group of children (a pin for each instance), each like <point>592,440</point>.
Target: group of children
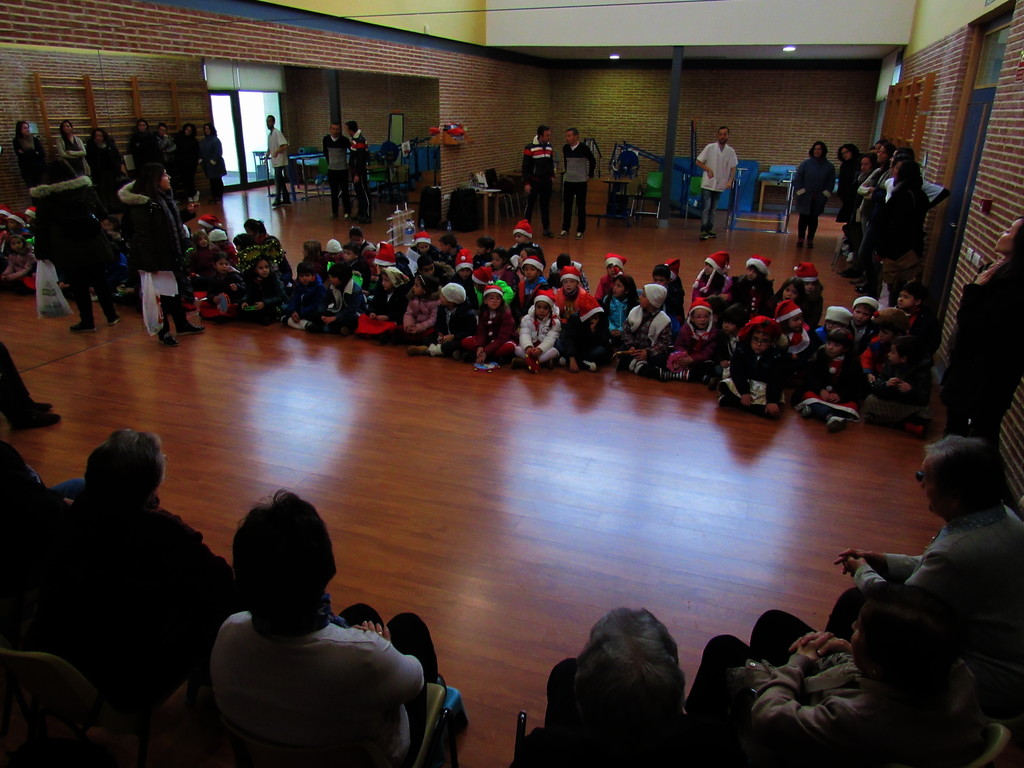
<point>494,306</point>
<point>17,257</point>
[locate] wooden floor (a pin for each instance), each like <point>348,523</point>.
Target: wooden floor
<point>509,510</point>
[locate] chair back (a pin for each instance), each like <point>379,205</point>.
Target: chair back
<point>996,738</point>
<point>654,181</point>
<point>253,752</point>
<point>435,703</point>
<point>54,684</point>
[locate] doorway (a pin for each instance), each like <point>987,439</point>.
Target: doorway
<point>241,120</point>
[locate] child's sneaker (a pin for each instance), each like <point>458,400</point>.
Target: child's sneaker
<point>835,424</point>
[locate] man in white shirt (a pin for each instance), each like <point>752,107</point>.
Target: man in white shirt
<point>718,161</point>
<point>277,150</point>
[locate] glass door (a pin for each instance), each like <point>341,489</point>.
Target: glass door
<point>241,121</point>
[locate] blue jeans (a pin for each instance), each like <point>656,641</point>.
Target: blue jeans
<point>709,200</point>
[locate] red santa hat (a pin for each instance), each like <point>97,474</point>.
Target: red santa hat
<point>483,275</point>
<point>523,228</point>
<point>587,306</point>
<point>491,288</point>
<point>806,271</point>
<point>30,212</point>
<point>209,221</point>
<point>614,260</point>
<point>385,254</point>
<point>760,263</point>
<point>673,267</point>
<point>545,294</point>
<point>700,303</point>
<point>719,261</point>
<point>571,273</point>
<point>761,323</point>
<point>463,260</point>
<point>422,238</point>
<point>786,310</point>
<point>17,218</point>
<point>4,213</point>
<point>532,261</point>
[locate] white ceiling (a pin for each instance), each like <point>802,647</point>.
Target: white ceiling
<point>726,52</point>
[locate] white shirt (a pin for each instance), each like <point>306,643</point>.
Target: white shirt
<point>275,141</point>
<point>721,162</point>
<point>328,687</point>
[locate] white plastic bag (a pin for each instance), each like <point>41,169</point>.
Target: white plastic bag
<point>50,301</point>
<point>152,317</point>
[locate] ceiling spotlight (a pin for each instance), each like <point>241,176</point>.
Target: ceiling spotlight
<point>789,48</point>
<point>615,56</point>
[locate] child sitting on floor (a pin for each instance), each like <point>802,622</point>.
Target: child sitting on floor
<point>202,259</point>
<point>797,340</point>
<point>495,330</point>
<point>264,294</point>
<point>532,267</point>
<point>793,289</point>
<point>584,342</point>
<point>889,324</point>
<point>313,253</point>
<point>618,304</point>
<point>663,274</point>
<point>502,269</point>
<point>464,277</point>
<point>343,302</point>
<point>386,306</point>
<point>219,239</point>
<point>900,395</point>
<point>923,323</point>
<point>423,246</point>
<point>756,371</point>
<point>421,311</point>
<point>456,321</point>
<point>570,292</point>
<point>835,317</point>
<point>613,267</point>
<point>690,359</point>
<point>733,318</point>
<point>647,334</point>
<point>813,301</point>
<point>21,266</point>
<point>755,289</point>
<point>224,291</point>
<point>522,239</point>
<point>538,331</point>
<point>565,260</point>
<point>833,384</point>
<point>482,256</point>
<point>307,298</point>
<point>862,322</point>
<point>713,279</point>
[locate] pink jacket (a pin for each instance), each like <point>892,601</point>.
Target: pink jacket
<point>420,314</point>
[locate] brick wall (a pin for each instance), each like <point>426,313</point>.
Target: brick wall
<point>773,115</point>
<point>998,179</point>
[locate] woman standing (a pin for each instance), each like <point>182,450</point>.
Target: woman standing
<point>900,224</point>
<point>71,149</point>
<point>986,362</point>
<point>212,153</point>
<point>814,181</point>
<point>30,153</point>
<point>156,235</point>
<point>188,159</point>
<point>104,159</point>
<point>849,167</point>
<point>144,146</point>
<point>69,234</point>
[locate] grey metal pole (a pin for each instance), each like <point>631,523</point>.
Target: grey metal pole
<point>668,168</point>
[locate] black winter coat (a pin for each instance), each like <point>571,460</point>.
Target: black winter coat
<point>68,230</point>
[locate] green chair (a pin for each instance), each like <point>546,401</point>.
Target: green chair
<point>651,191</point>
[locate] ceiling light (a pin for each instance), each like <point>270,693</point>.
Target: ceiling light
<point>614,56</point>
<point>789,48</point>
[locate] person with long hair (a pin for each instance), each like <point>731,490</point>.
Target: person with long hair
<point>986,361</point>
<point>71,150</point>
<point>30,153</point>
<point>107,167</point>
<point>154,229</point>
<point>849,167</point>
<point>211,154</point>
<point>900,224</point>
<point>187,158</point>
<point>69,234</point>
<point>143,146</point>
<point>813,182</point>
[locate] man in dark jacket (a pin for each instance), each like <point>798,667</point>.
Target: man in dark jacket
<point>539,175</point>
<point>336,149</point>
<point>358,164</point>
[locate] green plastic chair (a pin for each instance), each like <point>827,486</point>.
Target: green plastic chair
<point>651,190</point>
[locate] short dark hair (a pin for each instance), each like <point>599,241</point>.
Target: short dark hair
<point>901,622</point>
<point>563,260</point>
<point>573,131</point>
<point>125,470</point>
<point>909,347</point>
<point>448,239</point>
<point>424,261</point>
<point>305,268</point>
<point>969,469</point>
<point>723,128</point>
<point>662,270</point>
<point>541,128</point>
<point>501,253</point>
<point>629,686</point>
<point>352,247</point>
<point>917,289</point>
<point>355,232</point>
<point>736,314</point>
<point>283,560</point>
<point>430,283</point>
<point>161,125</point>
<point>340,271</point>
<point>352,125</point>
<point>840,336</point>
<point>486,241</point>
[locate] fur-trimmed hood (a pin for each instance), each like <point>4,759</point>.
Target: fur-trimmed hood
<point>129,197</point>
<point>47,190</point>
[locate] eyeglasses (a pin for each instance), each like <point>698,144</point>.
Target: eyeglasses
<point>919,475</point>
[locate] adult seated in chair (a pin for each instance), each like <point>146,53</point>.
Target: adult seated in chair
<point>972,564</point>
<point>896,693</point>
<point>621,703</point>
<point>289,671</point>
<point>133,597</point>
